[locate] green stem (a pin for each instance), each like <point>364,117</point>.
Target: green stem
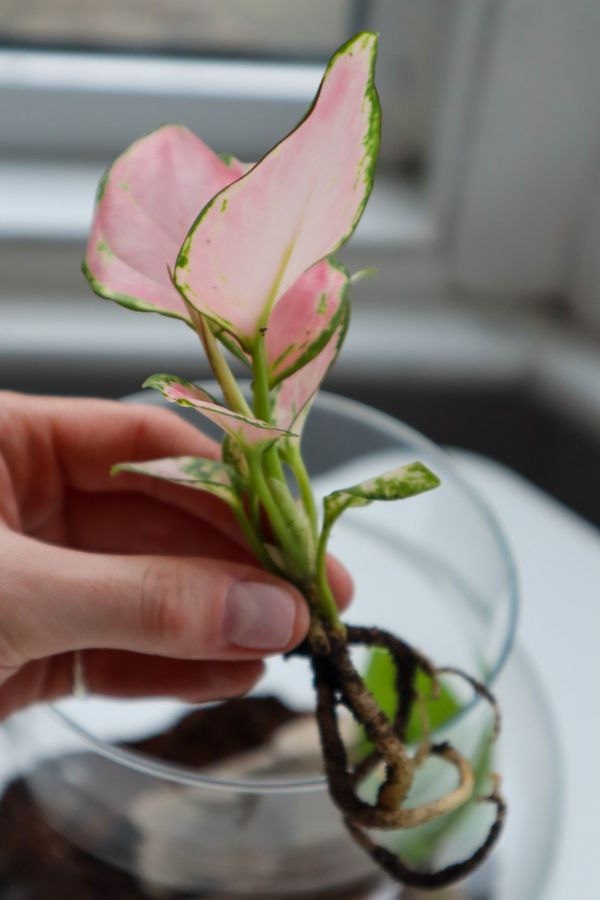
<point>262,406</point>
<point>256,545</point>
<point>231,392</point>
<point>294,458</point>
<point>282,532</point>
<point>260,385</point>
<point>324,597</point>
<point>321,596</point>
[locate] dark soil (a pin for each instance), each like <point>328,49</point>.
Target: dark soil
<point>37,864</point>
<point>216,732</point>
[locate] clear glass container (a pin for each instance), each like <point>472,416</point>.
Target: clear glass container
<point>434,569</point>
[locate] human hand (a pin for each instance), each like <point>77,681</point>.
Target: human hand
<point>152,582</point>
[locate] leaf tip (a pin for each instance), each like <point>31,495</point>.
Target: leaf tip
<point>423,478</point>
<point>154,381</point>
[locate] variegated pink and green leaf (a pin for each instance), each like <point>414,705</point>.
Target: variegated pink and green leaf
<point>245,429</point>
<point>236,166</point>
<point>302,322</point>
<point>293,396</point>
<point>305,318</point>
<point>397,484</point>
<point>146,203</point>
<point>194,472</point>
<point>303,200</point>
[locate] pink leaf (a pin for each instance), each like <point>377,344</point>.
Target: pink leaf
<point>236,166</point>
<point>201,474</point>
<point>305,318</point>
<point>243,428</point>
<point>146,204</point>
<point>296,206</point>
<point>293,396</point>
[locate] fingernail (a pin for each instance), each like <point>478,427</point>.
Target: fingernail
<point>259,616</point>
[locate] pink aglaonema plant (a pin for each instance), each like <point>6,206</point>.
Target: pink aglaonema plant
<point>243,255</point>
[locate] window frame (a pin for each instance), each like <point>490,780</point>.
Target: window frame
<point>503,212</point>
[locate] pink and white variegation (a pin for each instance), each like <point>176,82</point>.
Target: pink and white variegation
<point>293,396</point>
<point>145,205</point>
<point>302,322</point>
<point>243,254</point>
<point>296,206</point>
<point>245,429</point>
<point>305,318</point>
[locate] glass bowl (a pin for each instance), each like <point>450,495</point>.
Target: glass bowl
<point>434,569</point>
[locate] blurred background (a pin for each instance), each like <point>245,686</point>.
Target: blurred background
<point>482,325</point>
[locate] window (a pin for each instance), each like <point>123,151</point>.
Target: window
<point>100,74</point>
<point>200,27</point>
<point>480,193</point>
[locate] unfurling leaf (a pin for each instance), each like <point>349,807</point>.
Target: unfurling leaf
<point>293,396</point>
<point>202,474</point>
<point>305,318</point>
<point>302,322</point>
<point>244,428</point>
<point>296,206</point>
<point>398,484</point>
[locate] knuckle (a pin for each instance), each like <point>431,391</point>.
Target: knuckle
<point>11,657</point>
<point>13,627</point>
<point>166,607</point>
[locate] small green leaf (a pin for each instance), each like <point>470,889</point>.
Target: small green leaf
<point>380,680</point>
<point>397,484</point>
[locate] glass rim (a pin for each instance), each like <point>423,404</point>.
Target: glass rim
<point>185,775</point>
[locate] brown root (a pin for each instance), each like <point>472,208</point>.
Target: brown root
<point>394,866</point>
<point>338,684</point>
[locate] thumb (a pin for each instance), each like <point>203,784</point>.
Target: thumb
<point>53,600</point>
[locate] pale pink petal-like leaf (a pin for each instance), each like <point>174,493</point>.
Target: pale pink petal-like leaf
<point>302,322</point>
<point>296,206</point>
<point>201,474</point>
<point>293,396</point>
<point>305,318</point>
<point>243,428</point>
<point>236,166</point>
<point>145,206</point>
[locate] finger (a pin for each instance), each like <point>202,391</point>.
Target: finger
<point>134,523</point>
<point>50,444</point>
<point>130,523</point>
<point>91,435</point>
<point>53,600</point>
<point>117,673</point>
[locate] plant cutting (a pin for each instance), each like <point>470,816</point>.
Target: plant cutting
<point>243,254</point>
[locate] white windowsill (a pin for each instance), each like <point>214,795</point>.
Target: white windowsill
<point>457,345</point>
<point>54,201</point>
